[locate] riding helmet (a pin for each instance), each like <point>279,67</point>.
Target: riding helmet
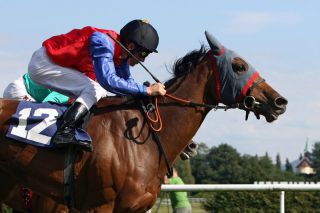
<point>142,33</point>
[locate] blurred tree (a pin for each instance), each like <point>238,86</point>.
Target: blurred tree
<point>315,159</point>
<point>200,166</point>
<point>223,164</point>
<point>300,157</point>
<point>184,170</point>
<point>288,166</point>
<point>278,161</point>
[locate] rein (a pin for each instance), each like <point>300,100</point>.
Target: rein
<point>190,103</point>
<point>158,121</point>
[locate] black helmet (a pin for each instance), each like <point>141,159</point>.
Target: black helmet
<point>142,33</point>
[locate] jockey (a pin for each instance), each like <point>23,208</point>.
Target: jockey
<point>24,89</point>
<point>86,63</point>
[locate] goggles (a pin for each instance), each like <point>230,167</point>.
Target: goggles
<point>141,51</point>
<point>144,53</point>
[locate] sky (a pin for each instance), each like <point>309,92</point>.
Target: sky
<point>281,39</point>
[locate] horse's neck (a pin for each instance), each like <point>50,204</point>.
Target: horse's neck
<point>192,86</point>
<point>182,122</point>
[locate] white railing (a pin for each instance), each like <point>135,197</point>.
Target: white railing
<point>259,186</point>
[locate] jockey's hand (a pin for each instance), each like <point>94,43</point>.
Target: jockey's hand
<point>156,89</point>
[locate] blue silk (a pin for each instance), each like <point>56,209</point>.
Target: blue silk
<point>117,80</point>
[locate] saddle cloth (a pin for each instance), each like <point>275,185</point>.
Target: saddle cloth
<point>36,123</point>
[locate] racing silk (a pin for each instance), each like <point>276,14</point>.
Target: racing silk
<point>42,94</point>
<point>90,51</point>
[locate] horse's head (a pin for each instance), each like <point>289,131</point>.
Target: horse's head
<point>238,83</point>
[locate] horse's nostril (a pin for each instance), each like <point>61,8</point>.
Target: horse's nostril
<point>280,102</point>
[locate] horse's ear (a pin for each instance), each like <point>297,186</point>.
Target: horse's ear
<point>216,47</point>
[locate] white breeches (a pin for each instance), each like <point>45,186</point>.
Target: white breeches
<point>17,90</point>
<point>67,81</point>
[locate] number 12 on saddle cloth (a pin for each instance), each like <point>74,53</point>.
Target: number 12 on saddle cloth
<point>36,123</point>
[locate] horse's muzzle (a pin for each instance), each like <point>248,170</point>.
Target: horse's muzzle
<point>280,102</point>
<point>278,108</point>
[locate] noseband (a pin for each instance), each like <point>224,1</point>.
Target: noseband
<point>249,102</point>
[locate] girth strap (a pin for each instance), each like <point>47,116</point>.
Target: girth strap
<point>157,139</point>
<point>68,176</point>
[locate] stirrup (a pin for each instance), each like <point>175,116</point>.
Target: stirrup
<point>62,139</point>
<point>84,146</point>
<point>81,145</point>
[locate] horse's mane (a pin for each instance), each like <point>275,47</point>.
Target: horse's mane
<point>185,64</point>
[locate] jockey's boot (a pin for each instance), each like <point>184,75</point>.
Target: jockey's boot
<point>66,133</point>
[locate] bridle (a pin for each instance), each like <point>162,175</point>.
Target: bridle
<point>248,103</point>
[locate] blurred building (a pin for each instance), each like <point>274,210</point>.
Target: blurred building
<point>304,164</point>
<point>305,167</point>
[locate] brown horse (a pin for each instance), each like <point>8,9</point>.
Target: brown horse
<point>125,170</point>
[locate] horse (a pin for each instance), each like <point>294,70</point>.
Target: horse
<point>134,146</point>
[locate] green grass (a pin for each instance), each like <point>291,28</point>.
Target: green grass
<point>164,208</point>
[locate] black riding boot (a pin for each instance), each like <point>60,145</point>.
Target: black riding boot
<point>66,133</point>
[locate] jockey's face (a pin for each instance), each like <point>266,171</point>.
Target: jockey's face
<point>139,52</point>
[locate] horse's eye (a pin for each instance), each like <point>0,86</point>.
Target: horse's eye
<point>239,65</point>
